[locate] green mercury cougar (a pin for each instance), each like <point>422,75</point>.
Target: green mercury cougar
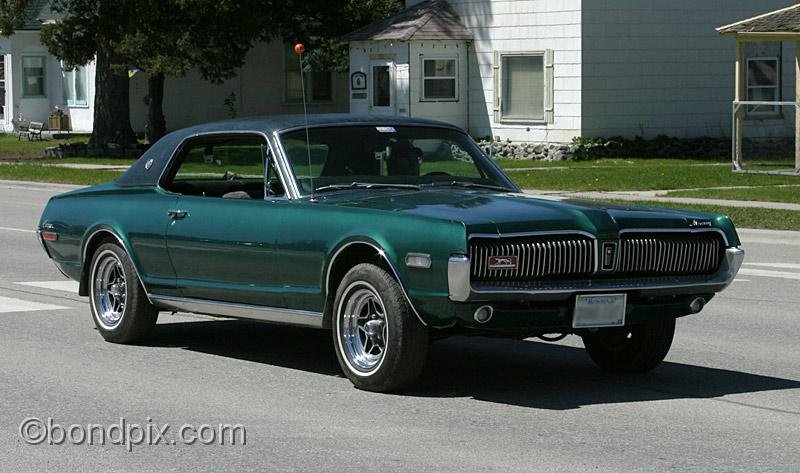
<point>389,232</point>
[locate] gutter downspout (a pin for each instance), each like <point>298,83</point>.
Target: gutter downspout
<point>469,118</point>
<point>410,99</point>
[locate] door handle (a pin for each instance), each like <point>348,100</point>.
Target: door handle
<point>177,214</point>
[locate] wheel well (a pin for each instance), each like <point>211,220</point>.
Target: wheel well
<point>351,256</point>
<point>96,240</point>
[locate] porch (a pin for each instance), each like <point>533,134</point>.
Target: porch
<point>778,26</point>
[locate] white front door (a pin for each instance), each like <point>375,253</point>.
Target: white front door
<point>382,88</point>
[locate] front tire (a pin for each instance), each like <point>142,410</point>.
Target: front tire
<point>380,343</point>
<point>120,308</point>
<point>633,349</point>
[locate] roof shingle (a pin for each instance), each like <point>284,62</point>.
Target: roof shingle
<point>433,19</point>
<point>785,20</point>
<point>37,13</point>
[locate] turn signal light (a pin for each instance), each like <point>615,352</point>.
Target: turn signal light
<point>49,236</point>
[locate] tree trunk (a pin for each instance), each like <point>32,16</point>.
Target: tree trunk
<point>155,111</point>
<point>112,116</point>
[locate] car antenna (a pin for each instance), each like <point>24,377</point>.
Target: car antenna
<point>299,49</point>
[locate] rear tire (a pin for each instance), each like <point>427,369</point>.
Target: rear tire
<point>380,343</point>
<point>120,308</point>
<point>633,349</point>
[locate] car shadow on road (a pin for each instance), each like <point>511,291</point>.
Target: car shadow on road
<point>520,373</point>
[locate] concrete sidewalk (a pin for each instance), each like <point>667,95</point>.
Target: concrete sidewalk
<point>658,196</point>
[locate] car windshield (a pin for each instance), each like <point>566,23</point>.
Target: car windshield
<point>386,157</point>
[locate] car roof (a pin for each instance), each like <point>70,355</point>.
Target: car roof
<point>140,174</point>
<point>278,123</point>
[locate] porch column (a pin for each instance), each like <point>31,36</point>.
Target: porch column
<point>741,94</point>
<point>796,108</point>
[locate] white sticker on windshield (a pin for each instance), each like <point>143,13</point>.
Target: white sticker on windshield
<point>385,129</point>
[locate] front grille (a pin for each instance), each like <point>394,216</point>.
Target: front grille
<point>654,254</point>
<point>551,256</point>
<point>565,257</point>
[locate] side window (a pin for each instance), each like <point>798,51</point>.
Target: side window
<point>439,80</point>
<point>763,84</point>
<point>229,167</point>
<point>523,87</point>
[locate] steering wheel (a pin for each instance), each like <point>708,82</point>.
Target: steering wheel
<point>438,173</point>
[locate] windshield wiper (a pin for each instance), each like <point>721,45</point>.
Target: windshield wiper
<point>365,185</point>
<point>468,184</point>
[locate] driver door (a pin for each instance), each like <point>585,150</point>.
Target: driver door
<point>221,233</point>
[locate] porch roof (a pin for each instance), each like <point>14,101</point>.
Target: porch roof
<point>785,21</point>
<point>433,19</point>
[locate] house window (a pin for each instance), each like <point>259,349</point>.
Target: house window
<point>75,86</point>
<point>33,72</point>
<point>319,84</point>
<point>439,81</point>
<point>522,86</point>
<point>763,85</point>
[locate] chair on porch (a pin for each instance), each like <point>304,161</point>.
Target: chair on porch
<point>35,130</point>
<point>20,127</point>
<point>32,130</point>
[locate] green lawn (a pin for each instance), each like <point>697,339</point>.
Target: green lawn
<point>11,147</point>
<point>641,175</point>
<point>770,219</point>
<point>600,175</point>
<point>763,194</point>
<point>511,164</point>
<point>35,172</point>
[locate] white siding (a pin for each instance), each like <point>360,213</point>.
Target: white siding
<point>658,67</point>
<point>39,108</point>
<point>259,89</point>
<point>451,111</point>
<point>524,25</point>
<point>361,54</point>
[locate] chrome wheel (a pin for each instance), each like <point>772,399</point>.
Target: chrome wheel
<point>363,329</point>
<point>109,289</point>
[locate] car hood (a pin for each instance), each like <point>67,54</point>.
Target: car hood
<point>495,212</point>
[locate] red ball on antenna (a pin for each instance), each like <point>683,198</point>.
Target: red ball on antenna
<point>299,49</point>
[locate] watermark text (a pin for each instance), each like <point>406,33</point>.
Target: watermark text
<point>37,431</point>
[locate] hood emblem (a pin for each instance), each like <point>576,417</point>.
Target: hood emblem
<point>699,223</point>
<point>501,262</point>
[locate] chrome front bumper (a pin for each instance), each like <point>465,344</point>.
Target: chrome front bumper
<point>462,290</point>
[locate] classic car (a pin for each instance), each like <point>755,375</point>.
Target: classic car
<point>390,232</point>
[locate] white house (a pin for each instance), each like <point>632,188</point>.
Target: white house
<point>551,70</point>
<point>33,83</point>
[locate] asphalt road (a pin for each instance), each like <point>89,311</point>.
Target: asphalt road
<point>726,399</point>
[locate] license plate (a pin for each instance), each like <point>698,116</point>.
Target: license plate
<point>601,310</point>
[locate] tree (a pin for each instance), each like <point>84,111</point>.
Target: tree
<point>90,30</point>
<point>171,37</point>
<point>11,15</point>
<point>320,25</point>
<point>86,32</point>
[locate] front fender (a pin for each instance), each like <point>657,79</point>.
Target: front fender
<point>426,289</point>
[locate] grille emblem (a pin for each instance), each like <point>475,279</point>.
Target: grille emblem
<point>502,262</point>
<point>609,256</point>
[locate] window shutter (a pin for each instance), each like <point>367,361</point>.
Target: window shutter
<point>497,91</point>
<point>549,96</point>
